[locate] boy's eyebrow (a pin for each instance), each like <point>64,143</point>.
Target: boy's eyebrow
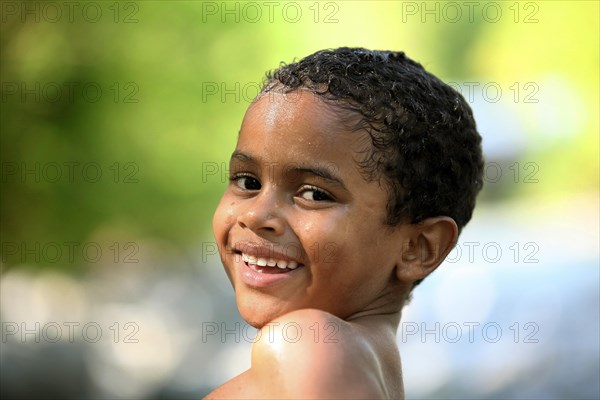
<point>322,172</point>
<point>238,155</point>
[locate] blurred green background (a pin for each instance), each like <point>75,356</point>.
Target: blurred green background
<point>116,120</point>
<point>175,80</point>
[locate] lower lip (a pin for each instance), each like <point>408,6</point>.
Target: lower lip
<point>261,280</point>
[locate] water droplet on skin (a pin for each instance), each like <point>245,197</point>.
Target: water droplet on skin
<point>308,227</point>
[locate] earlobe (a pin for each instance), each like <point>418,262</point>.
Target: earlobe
<point>426,246</point>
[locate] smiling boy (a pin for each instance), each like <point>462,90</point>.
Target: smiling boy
<point>353,174</point>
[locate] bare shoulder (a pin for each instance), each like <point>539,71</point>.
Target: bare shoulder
<point>313,354</point>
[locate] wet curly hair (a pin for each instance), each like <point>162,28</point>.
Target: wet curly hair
<point>425,144</point>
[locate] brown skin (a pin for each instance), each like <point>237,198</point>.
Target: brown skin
<point>328,330</point>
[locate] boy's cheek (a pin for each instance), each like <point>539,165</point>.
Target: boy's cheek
<point>230,212</point>
<point>224,215</point>
<point>217,224</point>
<point>220,234</point>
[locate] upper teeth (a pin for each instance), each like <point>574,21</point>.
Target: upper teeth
<point>271,262</point>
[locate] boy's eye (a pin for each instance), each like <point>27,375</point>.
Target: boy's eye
<point>246,182</point>
<point>314,194</point>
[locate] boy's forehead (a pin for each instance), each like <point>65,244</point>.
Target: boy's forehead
<point>300,112</point>
<point>300,128</point>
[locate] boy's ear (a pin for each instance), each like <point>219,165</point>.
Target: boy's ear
<point>426,246</point>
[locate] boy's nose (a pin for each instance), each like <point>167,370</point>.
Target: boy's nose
<point>262,215</point>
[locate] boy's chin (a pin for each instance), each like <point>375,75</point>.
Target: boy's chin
<point>259,313</point>
<point>257,321</point>
<point>256,317</point>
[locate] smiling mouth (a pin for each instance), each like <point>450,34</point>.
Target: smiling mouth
<point>265,265</point>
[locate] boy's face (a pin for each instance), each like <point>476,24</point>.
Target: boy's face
<point>297,195</point>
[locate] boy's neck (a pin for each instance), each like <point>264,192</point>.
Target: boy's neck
<point>384,312</point>
<point>382,321</point>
